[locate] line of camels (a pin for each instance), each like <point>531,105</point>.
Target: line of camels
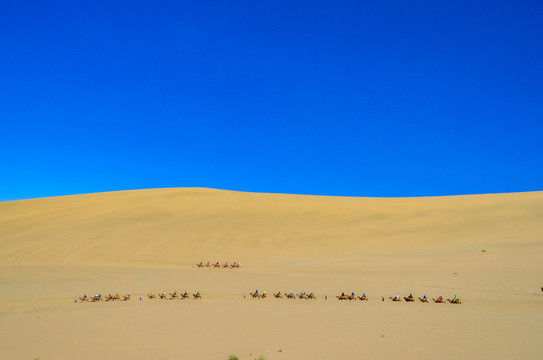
<point>264,295</point>
<point>234,265</point>
<point>424,299</point>
<point>174,295</point>
<point>116,297</point>
<point>290,295</point>
<point>311,296</point>
<point>98,297</point>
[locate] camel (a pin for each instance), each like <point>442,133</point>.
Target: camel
<point>363,297</point>
<point>197,296</point>
<point>264,295</point>
<point>311,297</point>
<point>351,297</point>
<point>162,296</point>
<point>342,297</point>
<point>438,300</point>
<point>424,300</point>
<point>302,296</point>
<point>291,296</point>
<point>84,298</point>
<point>96,298</point>
<point>409,299</point>
<point>184,295</point>
<point>126,297</point>
<point>278,295</point>
<point>112,298</point>
<point>217,265</point>
<point>174,295</point>
<point>255,295</point>
<point>152,296</point>
<point>454,301</point>
<point>395,298</point>
<point>201,264</point>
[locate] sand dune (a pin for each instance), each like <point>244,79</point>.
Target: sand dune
<point>485,248</point>
<point>180,226</point>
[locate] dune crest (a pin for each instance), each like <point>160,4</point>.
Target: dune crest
<point>186,225</point>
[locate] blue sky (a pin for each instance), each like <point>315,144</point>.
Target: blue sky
<point>395,98</point>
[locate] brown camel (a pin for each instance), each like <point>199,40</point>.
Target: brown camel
<point>342,297</point>
<point>152,296</point>
<point>255,295</point>
<point>126,297</point>
<point>409,299</point>
<point>174,295</point>
<point>396,298</point>
<point>278,295</point>
<point>438,300</point>
<point>184,295</point>
<point>311,297</point>
<point>363,298</point>
<point>162,296</point>
<point>454,301</point>
<point>197,296</point>
<point>291,296</point>
<point>424,300</point>
<point>302,296</point>
<point>84,298</point>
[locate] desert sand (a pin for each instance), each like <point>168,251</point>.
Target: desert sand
<point>487,249</point>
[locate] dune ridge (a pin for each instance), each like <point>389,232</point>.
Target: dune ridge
<point>180,225</point>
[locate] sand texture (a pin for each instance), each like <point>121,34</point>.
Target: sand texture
<point>487,249</point>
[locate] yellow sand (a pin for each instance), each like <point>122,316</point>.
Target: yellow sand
<point>487,249</point>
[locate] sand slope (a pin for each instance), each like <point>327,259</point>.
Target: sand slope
<point>177,226</point>
<point>54,249</point>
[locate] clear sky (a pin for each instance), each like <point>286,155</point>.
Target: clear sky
<point>376,98</point>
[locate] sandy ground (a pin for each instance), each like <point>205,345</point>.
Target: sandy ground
<point>487,249</point>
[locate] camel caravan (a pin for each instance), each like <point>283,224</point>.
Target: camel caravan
<point>174,295</point>
<point>424,299</point>
<point>217,265</point>
<point>263,295</point>
<point>290,295</point>
<point>352,297</point>
<point>98,298</point>
<point>151,296</point>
